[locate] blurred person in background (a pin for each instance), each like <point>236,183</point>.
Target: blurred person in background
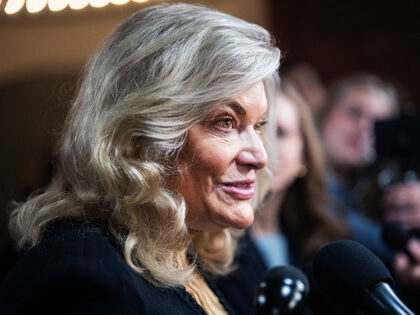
<point>295,203</point>
<point>352,107</point>
<point>347,121</point>
<point>290,224</point>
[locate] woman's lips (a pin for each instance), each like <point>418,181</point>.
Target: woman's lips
<point>240,190</point>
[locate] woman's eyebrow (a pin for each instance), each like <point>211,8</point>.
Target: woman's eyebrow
<point>265,115</point>
<point>237,108</point>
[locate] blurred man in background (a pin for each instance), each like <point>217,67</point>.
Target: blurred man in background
<point>353,105</point>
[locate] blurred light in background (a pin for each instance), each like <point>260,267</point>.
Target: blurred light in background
<point>77,4</point>
<point>57,5</point>
<point>35,6</point>
<point>98,3</point>
<point>119,2</point>
<point>13,6</point>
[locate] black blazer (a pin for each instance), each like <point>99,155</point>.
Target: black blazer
<point>76,269</point>
<point>239,286</point>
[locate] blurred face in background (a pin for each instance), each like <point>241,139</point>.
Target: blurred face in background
<point>289,144</point>
<point>348,129</point>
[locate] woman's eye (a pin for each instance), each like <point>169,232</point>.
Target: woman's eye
<point>226,123</point>
<point>259,126</point>
<point>280,132</point>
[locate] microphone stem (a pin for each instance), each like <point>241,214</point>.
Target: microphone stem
<point>381,300</point>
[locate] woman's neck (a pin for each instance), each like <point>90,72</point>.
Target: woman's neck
<point>267,218</point>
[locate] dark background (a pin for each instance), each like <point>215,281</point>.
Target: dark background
<point>342,37</point>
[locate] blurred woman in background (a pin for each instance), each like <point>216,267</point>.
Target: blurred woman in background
<point>296,202</point>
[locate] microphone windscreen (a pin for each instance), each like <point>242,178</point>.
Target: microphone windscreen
<point>345,269</point>
<point>319,302</point>
<point>276,276</point>
<point>283,290</point>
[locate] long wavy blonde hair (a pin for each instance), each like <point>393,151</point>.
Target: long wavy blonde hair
<point>163,70</point>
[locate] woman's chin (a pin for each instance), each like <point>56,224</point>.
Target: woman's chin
<point>244,221</point>
<point>239,217</point>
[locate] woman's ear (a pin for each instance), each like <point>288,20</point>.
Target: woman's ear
<point>302,171</point>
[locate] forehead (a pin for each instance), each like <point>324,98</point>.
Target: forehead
<point>372,101</point>
<point>286,111</point>
<point>252,101</point>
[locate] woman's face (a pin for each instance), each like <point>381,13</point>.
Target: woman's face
<point>289,145</point>
<point>220,160</point>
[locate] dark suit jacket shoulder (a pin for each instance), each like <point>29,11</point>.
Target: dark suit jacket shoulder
<point>75,269</point>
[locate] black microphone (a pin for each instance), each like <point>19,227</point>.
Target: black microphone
<point>352,275</point>
<point>319,302</point>
<point>283,290</point>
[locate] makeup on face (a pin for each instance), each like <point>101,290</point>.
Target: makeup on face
<point>220,161</point>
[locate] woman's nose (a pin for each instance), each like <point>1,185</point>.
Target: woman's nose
<point>253,153</point>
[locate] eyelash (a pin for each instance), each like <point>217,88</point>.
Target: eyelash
<point>280,132</point>
<point>259,126</point>
<point>219,123</point>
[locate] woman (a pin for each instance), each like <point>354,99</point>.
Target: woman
<point>158,160</point>
<point>297,189</point>
<point>291,223</point>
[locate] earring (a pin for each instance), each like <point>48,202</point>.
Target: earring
<point>302,171</point>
